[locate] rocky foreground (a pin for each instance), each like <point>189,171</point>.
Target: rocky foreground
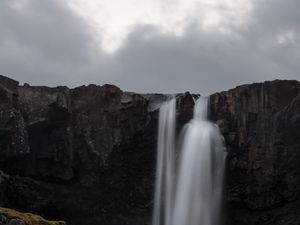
<point>87,155</point>
<point>12,217</point>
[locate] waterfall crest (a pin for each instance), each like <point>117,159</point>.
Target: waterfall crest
<point>190,191</point>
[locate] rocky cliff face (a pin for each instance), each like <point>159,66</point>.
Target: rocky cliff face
<point>87,155</point>
<point>261,124</point>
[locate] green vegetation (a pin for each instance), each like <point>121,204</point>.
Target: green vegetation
<point>28,218</point>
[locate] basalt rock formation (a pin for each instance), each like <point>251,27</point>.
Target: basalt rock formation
<point>87,155</point>
<point>261,124</point>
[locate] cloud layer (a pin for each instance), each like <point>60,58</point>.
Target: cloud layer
<point>47,43</point>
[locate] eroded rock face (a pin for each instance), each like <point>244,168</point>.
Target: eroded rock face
<point>13,133</point>
<point>260,123</point>
<point>71,133</point>
<point>90,152</point>
<point>87,155</point>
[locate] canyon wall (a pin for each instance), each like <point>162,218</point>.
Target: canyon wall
<point>87,155</point>
<point>261,124</point>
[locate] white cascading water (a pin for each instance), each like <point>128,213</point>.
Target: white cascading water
<point>164,188</point>
<point>189,193</point>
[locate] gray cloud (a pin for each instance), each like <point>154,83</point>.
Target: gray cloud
<point>46,43</point>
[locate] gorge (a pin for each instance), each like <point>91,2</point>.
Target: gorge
<point>87,155</point>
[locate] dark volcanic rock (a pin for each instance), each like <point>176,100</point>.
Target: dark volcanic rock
<point>87,155</point>
<point>13,134</point>
<point>90,152</point>
<point>260,123</point>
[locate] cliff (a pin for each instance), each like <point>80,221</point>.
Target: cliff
<point>261,124</point>
<point>87,155</point>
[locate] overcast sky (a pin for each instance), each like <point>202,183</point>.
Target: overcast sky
<point>167,46</point>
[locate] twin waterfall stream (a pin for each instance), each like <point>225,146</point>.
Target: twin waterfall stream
<point>189,179</point>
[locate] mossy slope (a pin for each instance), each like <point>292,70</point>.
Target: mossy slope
<point>27,218</point>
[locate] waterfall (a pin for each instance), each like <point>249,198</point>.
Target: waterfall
<point>189,193</point>
<point>164,188</point>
